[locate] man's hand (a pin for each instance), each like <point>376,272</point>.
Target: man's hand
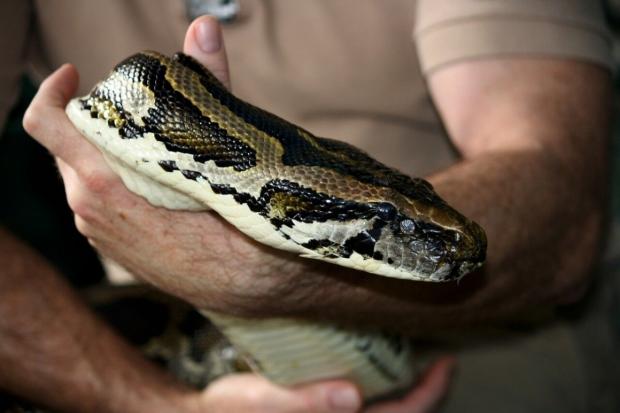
<point>54,352</point>
<point>186,253</point>
<point>246,393</point>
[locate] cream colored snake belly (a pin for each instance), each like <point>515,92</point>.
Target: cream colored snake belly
<point>177,137</point>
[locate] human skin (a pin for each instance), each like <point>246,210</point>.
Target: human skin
<point>56,353</point>
<point>533,134</point>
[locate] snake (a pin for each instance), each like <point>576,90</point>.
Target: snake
<point>180,139</point>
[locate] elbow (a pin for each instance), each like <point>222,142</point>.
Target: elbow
<point>583,247</point>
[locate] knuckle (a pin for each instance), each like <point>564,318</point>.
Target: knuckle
<point>95,181</point>
<point>31,120</point>
<point>82,226</point>
<point>82,207</point>
<point>93,243</point>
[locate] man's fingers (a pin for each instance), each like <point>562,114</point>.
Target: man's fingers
<point>46,121</point>
<point>205,43</point>
<point>78,196</point>
<point>250,393</point>
<point>433,387</point>
<point>61,85</point>
<point>332,396</point>
<point>41,117</point>
<point>426,395</point>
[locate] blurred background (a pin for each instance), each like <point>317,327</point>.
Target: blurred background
<point>37,213</point>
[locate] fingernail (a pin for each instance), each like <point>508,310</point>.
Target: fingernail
<point>208,36</point>
<point>345,398</point>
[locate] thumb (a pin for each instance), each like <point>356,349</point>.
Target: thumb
<point>330,397</point>
<point>45,120</point>
<point>205,43</point>
<point>251,393</point>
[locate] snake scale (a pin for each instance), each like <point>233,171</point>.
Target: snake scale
<point>180,139</point>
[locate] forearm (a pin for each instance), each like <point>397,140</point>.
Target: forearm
<point>543,238</point>
<point>53,351</point>
<point>533,134</point>
<point>544,223</point>
<point>533,176</point>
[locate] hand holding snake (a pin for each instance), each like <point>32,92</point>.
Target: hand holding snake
<point>114,208</point>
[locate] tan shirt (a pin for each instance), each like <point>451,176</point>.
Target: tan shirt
<point>346,69</point>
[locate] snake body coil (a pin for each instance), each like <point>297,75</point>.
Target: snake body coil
<point>177,137</point>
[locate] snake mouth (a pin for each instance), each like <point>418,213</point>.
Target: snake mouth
<point>466,251</point>
<point>463,268</point>
<point>472,253</point>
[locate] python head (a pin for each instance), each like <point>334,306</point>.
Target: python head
<point>428,243</point>
<point>421,238</point>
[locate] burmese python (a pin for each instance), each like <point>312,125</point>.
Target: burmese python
<point>179,138</point>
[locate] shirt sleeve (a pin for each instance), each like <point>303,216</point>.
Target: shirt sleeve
<point>14,26</point>
<point>448,31</point>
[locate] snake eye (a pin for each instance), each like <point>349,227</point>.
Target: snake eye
<point>386,211</point>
